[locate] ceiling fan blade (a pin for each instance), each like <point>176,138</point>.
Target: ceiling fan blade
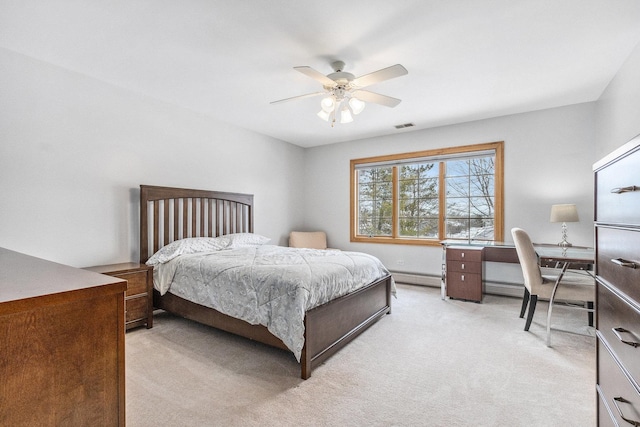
<point>376,98</point>
<point>293,98</point>
<point>380,75</point>
<point>316,75</point>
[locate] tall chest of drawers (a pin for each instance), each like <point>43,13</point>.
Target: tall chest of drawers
<point>617,233</point>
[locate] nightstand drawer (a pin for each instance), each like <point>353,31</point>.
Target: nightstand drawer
<point>136,308</point>
<point>136,282</point>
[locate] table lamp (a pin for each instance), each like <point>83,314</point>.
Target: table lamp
<point>564,213</point>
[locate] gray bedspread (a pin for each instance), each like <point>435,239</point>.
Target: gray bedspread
<point>269,285</point>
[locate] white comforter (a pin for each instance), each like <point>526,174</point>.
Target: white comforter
<point>269,285</point>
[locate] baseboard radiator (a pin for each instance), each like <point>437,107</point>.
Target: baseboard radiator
<point>509,289</point>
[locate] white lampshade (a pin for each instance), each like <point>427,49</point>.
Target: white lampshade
<point>356,105</point>
<point>564,213</point>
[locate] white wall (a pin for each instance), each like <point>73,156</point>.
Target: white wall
<point>548,160</point>
<point>618,109</point>
<point>73,152</point>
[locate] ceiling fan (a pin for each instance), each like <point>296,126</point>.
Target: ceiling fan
<point>344,92</point>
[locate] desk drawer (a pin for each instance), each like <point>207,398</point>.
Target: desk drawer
<point>623,207</point>
<point>464,286</point>
<point>465,267</point>
<point>615,313</point>
<point>615,386</point>
<point>467,255</point>
<point>619,259</point>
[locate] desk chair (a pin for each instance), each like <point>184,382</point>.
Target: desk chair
<point>308,239</point>
<point>564,286</point>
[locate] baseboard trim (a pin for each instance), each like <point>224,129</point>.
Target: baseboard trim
<point>494,288</point>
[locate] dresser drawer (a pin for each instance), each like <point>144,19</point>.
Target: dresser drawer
<point>464,255</point>
<point>136,282</point>
<point>616,313</point>
<point>618,259</point>
<point>465,267</point>
<point>616,199</point>
<point>605,416</point>
<point>615,386</point>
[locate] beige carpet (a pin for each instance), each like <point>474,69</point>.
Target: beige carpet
<point>429,363</point>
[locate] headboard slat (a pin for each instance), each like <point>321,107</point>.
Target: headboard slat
<point>156,216</point>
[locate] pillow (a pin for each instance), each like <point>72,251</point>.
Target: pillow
<point>190,245</point>
<point>242,240</point>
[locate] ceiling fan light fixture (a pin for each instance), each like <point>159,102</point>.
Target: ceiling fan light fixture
<point>356,105</point>
<point>328,104</point>
<point>345,115</point>
<point>324,115</point>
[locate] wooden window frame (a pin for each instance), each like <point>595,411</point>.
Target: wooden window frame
<point>496,147</point>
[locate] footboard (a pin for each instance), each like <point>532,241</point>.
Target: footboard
<point>333,325</point>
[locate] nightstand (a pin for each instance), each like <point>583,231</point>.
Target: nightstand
<point>139,296</point>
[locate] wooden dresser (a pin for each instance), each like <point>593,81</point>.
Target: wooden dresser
<point>61,344</point>
<point>617,228</point>
<point>464,272</point>
<point>139,296</point>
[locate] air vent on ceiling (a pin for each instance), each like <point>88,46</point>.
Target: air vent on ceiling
<point>405,125</point>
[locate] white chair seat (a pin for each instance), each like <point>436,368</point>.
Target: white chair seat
<point>574,287</point>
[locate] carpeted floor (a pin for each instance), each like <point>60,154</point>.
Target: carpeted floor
<point>429,363</point>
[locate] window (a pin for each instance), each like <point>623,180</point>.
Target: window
<point>428,196</point>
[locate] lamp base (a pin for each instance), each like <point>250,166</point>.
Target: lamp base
<point>564,244</point>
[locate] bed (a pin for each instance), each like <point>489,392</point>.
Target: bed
<point>170,215</point>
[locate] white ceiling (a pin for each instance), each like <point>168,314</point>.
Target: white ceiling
<point>467,59</point>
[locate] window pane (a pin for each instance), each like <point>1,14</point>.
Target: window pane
<point>457,228</point>
<point>457,168</point>
<point>470,186</point>
<point>375,204</point>
<point>417,188</point>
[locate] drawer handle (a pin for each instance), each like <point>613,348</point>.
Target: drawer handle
<point>621,190</point>
<point>618,331</point>
<point>623,263</point>
<point>623,400</point>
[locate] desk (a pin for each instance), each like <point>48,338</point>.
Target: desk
<point>553,256</point>
<point>575,257</point>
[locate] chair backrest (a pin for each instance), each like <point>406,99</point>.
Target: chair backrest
<point>308,239</point>
<point>528,259</point>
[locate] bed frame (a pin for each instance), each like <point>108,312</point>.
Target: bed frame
<point>168,214</point>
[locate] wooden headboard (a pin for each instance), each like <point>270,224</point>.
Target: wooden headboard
<point>168,214</point>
